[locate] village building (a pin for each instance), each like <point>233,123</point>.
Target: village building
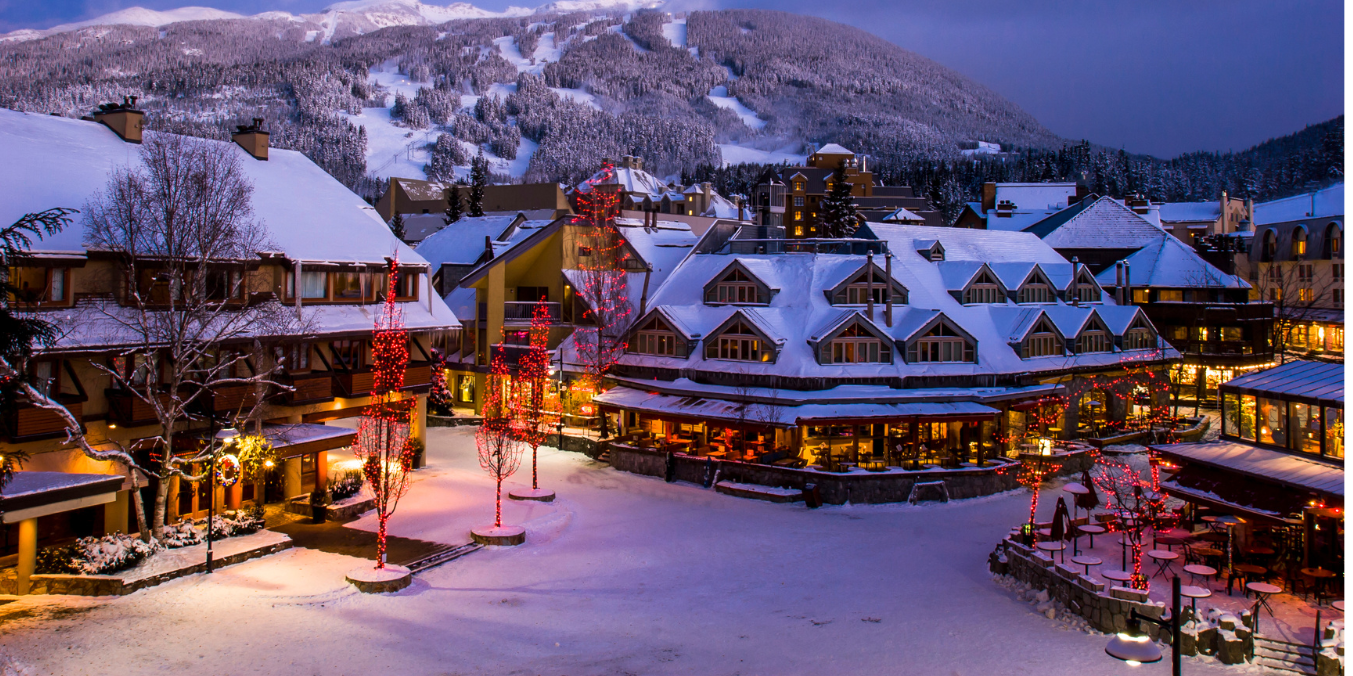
<point>327,257</point>
<point>791,197</point>
<point>1189,222</point>
<point>410,196</point>
<point>1015,206</point>
<point>645,196</point>
<point>1279,465</point>
<point>1204,312</point>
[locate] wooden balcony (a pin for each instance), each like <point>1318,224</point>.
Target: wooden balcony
<point>354,383</point>
<point>310,388</point>
<point>228,398</point>
<point>26,422</point>
<point>521,312</point>
<point>129,410</point>
<point>418,374</point>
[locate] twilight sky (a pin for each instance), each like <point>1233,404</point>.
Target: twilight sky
<point>1153,76</point>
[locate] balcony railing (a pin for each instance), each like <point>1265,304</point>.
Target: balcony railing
<point>128,409</point>
<point>241,397</point>
<point>511,354</point>
<point>26,422</point>
<point>309,388</point>
<point>358,383</point>
<point>523,311</point>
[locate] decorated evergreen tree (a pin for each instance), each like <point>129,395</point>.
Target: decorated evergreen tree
<point>839,217</point>
<point>382,442</point>
<point>454,210</point>
<point>479,177</point>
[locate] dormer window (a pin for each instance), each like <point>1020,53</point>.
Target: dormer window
<point>863,285</point>
<point>984,289</point>
<point>1139,337</point>
<point>1298,243</point>
<point>1087,291</point>
<point>739,343</point>
<point>656,338</point>
<point>737,286</point>
<point>1043,341</point>
<point>1094,339</point>
<point>941,344</point>
<point>856,345</point>
<point>1036,291</point>
<point>798,186</point>
<point>1332,241</point>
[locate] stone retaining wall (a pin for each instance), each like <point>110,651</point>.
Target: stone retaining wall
<point>453,421</point>
<point>1229,638</point>
<point>858,487</point>
<point>589,447</point>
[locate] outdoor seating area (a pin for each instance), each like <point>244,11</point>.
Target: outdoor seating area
<point>1282,572</point>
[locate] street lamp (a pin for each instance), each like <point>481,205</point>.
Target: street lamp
<point>559,389</point>
<point>223,439</point>
<point>1134,647</point>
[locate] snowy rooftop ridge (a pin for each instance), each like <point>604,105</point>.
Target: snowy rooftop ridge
<point>1324,203</point>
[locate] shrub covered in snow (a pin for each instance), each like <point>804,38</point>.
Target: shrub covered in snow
<point>346,486</point>
<point>110,553</point>
<point>240,522</point>
<point>181,534</point>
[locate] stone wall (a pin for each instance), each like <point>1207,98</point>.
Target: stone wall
<point>1228,637</point>
<point>451,421</point>
<point>589,447</point>
<point>858,486</point>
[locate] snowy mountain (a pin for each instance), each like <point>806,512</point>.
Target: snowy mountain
<point>132,16</point>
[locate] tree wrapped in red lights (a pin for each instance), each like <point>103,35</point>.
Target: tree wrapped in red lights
<point>534,414</point>
<point>440,395</point>
<point>382,442</point>
<point>1030,472</point>
<point>497,441</point>
<point>1131,498</point>
<point>602,277</point>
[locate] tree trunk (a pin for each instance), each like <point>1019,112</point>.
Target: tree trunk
<point>162,489</point>
<point>139,505</point>
<point>498,506</point>
<point>380,541</point>
<point>535,483</point>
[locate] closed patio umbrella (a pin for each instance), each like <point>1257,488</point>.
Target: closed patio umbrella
<point>1061,521</point>
<point>1090,500</point>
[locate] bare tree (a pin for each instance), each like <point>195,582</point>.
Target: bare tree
<point>182,232</point>
<point>1298,291</point>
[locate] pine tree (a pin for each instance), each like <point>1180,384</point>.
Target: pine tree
<point>453,205</point>
<point>397,225</point>
<point>838,207</point>
<point>479,177</point>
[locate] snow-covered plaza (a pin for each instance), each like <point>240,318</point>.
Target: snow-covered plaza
<point>623,574</point>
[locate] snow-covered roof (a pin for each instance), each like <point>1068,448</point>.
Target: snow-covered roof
<point>1262,463</point>
<point>722,207</point>
<point>800,313</point>
<point>1035,196</point>
<point>1310,379</point>
<point>904,216</point>
<point>1326,203</point>
<point>1102,224</point>
<point>1016,220</point>
<point>783,413</point>
<point>60,162</point>
<point>629,180</point>
<point>462,242</point>
<point>1190,212</point>
<point>834,149</point>
<point>1169,263</point>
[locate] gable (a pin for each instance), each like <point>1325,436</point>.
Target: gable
<point>737,273</point>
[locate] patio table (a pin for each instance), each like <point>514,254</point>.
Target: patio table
<point>1248,572</point>
<point>1116,575</point>
<point>1053,546</point>
<point>1169,541</point>
<point>1086,561</point>
<point>1262,590</point>
<point>1193,594</point>
<point>1164,559</point>
<point>1092,530</point>
<point>1197,570</point>
<point>1338,605</point>
<point>1322,578</point>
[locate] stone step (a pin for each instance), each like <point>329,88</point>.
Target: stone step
<point>1298,658</point>
<point>441,556</point>
<point>1278,645</point>
<point>1282,665</point>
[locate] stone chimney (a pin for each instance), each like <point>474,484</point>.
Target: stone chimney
<point>1005,209</point>
<point>253,139</point>
<point>708,189</point>
<point>123,118</point>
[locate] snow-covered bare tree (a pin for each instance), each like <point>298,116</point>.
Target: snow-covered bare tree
<point>180,227</point>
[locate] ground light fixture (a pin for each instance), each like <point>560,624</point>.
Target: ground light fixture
<point>223,439</point>
<point>1135,647</point>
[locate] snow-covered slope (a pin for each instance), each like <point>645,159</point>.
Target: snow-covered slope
<point>351,16</point>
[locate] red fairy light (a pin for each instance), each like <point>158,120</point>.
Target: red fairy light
<point>382,442</point>
<point>603,280</point>
<point>1030,472</point>
<point>533,413</point>
<point>497,438</point>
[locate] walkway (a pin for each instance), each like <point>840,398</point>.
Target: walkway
<point>334,538</point>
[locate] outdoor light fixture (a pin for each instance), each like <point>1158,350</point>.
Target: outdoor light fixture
<point>1136,648</point>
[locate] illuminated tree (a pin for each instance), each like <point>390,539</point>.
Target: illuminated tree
<point>533,415</point>
<point>604,282</point>
<point>382,442</point>
<point>1030,472</point>
<point>1129,496</point>
<point>440,396</point>
<point>497,438</point>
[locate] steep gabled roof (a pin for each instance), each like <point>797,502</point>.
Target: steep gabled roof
<point>1169,263</point>
<point>1103,223</point>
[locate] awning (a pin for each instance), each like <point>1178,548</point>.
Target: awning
<point>33,494</point>
<point>305,438</point>
<point>771,414</point>
<point>1274,467</point>
<point>1232,492</point>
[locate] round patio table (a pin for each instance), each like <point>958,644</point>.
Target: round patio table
<point>1197,570</point>
<point>1170,541</point>
<point>1116,575</point>
<point>1321,577</point>
<point>1194,593</point>
<point>1338,605</point>
<point>1262,590</point>
<point>1164,559</point>
<point>1259,551</point>
<point>1086,561</point>
<point>1092,530</point>
<point>1055,546</point>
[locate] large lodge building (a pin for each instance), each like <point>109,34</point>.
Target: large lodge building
<point>327,259</point>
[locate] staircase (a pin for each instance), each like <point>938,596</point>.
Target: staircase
<point>1280,655</point>
<point>442,555</point>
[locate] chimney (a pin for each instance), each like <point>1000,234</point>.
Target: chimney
<point>708,189</point>
<point>488,247</point>
<point>1224,202</point>
<point>253,139</point>
<point>888,309</point>
<point>1075,281</point>
<point>1005,209</point>
<point>1127,281</point>
<point>1118,282</point>
<point>738,200</point>
<point>988,197</point>
<point>869,285</point>
<point>123,118</point>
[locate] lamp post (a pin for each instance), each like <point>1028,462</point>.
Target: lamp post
<point>559,388</point>
<point>1134,647</point>
<point>223,438</point>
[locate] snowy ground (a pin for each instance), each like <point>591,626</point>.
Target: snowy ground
<point>719,97</point>
<point>623,574</point>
